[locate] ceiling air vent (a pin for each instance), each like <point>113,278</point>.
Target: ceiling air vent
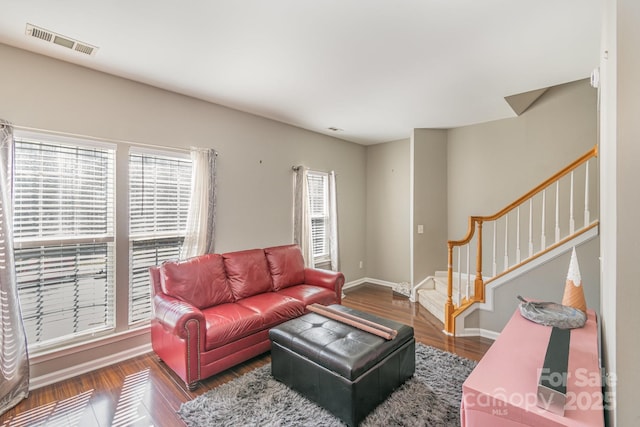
<point>40,34</point>
<point>60,40</point>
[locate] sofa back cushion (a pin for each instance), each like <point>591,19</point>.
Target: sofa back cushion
<point>247,272</point>
<point>286,265</point>
<point>201,281</point>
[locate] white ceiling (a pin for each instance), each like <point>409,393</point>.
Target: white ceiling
<point>374,68</point>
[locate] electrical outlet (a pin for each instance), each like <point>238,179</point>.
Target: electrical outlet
<point>361,264</point>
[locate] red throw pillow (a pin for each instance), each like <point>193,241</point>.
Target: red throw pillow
<point>286,264</point>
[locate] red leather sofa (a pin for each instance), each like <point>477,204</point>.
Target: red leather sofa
<point>214,311</point>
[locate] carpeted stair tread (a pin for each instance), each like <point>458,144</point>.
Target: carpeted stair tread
<point>434,301</point>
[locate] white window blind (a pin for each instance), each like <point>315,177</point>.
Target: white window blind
<point>63,227</point>
<point>318,183</point>
<point>159,194</point>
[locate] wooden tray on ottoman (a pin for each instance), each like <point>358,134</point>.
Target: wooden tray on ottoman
<point>344,369</point>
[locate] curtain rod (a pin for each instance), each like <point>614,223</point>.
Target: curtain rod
<point>94,138</point>
<point>296,168</point>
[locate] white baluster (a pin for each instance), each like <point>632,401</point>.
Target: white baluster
<point>458,295</point>
<point>586,196</point>
<point>530,227</point>
<point>495,255</point>
<point>543,238</point>
<point>506,242</point>
<point>557,211</point>
<point>572,223</point>
<point>518,235</point>
<point>466,290</point>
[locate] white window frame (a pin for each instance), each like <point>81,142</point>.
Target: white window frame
<point>322,215</point>
<point>67,240</point>
<point>118,238</point>
<point>139,284</point>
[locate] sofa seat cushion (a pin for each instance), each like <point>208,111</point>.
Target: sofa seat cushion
<point>274,308</point>
<point>310,294</point>
<point>201,281</point>
<point>229,322</point>
<point>248,273</point>
<point>286,265</point>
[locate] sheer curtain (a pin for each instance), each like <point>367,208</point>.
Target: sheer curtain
<point>302,235</point>
<point>301,215</point>
<point>14,361</point>
<point>200,233</point>
<point>333,222</point>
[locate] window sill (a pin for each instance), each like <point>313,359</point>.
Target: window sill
<point>104,339</point>
<point>61,364</point>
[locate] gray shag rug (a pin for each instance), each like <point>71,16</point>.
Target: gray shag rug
<point>430,398</point>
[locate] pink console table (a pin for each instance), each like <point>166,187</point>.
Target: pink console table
<point>502,389</point>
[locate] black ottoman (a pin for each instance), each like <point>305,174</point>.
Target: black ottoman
<point>344,369</point>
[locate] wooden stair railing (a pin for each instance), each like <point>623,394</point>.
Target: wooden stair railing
<point>471,287</point>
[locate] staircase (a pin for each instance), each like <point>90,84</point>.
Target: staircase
<point>538,226</point>
<point>434,298</point>
<point>433,294</point>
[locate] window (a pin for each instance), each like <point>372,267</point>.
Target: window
<point>318,183</point>
<point>63,223</point>
<point>159,194</point>
<point>65,234</point>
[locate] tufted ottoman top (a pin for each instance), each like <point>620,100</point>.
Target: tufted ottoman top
<point>339,347</point>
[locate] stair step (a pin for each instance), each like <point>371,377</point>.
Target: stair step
<point>434,301</point>
<point>441,284</point>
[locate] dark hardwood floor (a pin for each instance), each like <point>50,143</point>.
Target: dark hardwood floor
<point>142,391</point>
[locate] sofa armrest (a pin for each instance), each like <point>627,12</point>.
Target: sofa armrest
<point>333,280</point>
<point>175,316</point>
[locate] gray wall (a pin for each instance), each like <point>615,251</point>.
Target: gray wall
<point>544,283</point>
<point>492,164</point>
<point>254,177</point>
<point>429,202</point>
<point>255,195</point>
<point>472,170</point>
<point>255,154</point>
<point>388,211</point>
<point>620,202</point>
<point>628,206</point>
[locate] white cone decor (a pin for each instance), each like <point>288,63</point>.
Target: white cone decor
<point>573,291</point>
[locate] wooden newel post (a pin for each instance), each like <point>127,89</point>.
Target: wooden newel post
<point>449,324</point>
<point>478,294</point>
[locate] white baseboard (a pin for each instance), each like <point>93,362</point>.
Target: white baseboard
<point>83,368</point>
<point>363,280</point>
<point>423,282</point>
<point>475,332</point>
